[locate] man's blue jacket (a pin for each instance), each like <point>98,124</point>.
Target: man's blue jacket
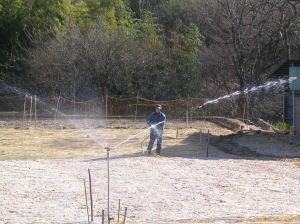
<point>156,118</point>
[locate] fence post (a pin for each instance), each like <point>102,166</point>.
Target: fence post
<point>57,105</point>
<point>24,114</point>
<point>30,110</point>
<point>200,139</point>
<point>293,108</point>
<point>207,146</point>
<point>245,106</point>
<point>106,105</point>
<point>74,98</point>
<point>283,106</point>
<point>187,115</point>
<point>136,107</point>
<point>35,113</point>
<point>177,130</point>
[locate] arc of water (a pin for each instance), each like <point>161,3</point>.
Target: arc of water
<point>51,108</point>
<point>267,86</point>
<point>134,136</point>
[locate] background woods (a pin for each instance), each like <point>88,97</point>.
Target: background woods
<point>164,49</point>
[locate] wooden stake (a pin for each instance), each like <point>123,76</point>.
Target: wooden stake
<point>86,202</point>
<point>207,146</point>
<point>24,114</point>
<point>177,130</point>
<point>119,207</point>
<point>124,220</point>
<point>35,113</point>
<point>103,216</point>
<point>91,196</point>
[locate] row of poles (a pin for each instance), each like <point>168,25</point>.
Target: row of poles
<point>90,215</point>
<point>90,206</point>
<point>32,108</point>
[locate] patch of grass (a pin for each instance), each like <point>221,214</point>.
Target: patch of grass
<point>282,126</point>
<point>277,219</point>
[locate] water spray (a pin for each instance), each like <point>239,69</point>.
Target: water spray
<point>247,91</point>
<point>134,136</point>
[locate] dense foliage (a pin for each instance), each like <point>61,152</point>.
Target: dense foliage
<point>159,49</point>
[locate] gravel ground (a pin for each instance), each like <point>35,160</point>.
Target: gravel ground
<point>51,191</point>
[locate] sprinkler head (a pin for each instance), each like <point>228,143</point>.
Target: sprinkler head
<point>107,148</point>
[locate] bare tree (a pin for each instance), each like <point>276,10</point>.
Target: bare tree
<point>245,38</point>
<point>92,61</point>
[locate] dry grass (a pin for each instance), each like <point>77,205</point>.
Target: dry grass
<point>296,162</point>
<point>277,219</point>
<point>72,143</point>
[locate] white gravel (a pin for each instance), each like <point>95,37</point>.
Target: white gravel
<point>51,191</point>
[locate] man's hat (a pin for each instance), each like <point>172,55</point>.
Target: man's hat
<point>158,106</point>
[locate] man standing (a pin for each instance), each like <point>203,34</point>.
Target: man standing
<point>157,122</point>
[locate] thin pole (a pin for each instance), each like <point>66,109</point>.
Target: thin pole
<point>108,186</point>
<point>35,113</point>
<point>57,106</point>
<point>283,107</point>
<point>74,99</point>
<point>89,109</point>
<point>245,106</point>
<point>177,130</point>
<point>200,139</point>
<point>119,207</point>
<point>86,202</point>
<point>125,214</point>
<point>106,106</point>
<point>136,106</point>
<point>91,196</point>
<point>102,216</point>
<point>187,116</point>
<point>207,146</point>
<point>30,111</point>
<point>24,114</point>
<point>294,109</point>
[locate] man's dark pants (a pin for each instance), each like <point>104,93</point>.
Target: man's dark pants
<point>155,134</point>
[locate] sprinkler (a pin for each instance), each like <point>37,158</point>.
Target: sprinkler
<point>108,186</point>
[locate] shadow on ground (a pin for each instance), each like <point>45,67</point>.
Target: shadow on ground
<point>228,147</point>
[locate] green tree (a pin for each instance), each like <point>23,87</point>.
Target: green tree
<point>184,64</point>
<point>19,21</point>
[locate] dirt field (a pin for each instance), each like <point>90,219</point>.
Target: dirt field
<point>248,177</point>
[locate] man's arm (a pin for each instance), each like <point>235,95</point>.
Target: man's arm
<point>149,119</point>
